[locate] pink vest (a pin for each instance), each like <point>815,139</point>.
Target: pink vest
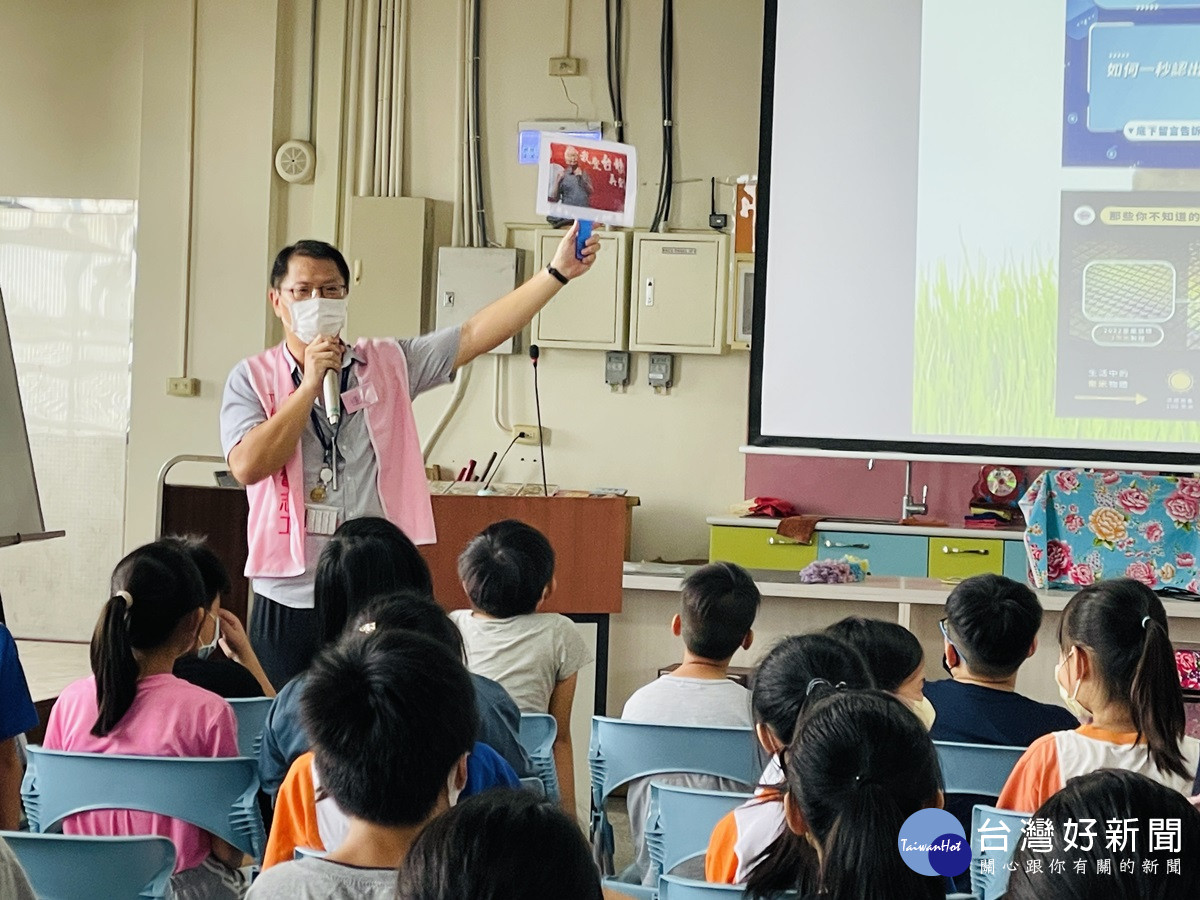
<point>275,526</point>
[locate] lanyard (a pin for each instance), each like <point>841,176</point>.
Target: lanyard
<point>328,442</point>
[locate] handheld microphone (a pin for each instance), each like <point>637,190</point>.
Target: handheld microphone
<point>332,396</point>
<point>534,353</point>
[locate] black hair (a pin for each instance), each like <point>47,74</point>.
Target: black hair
<point>212,571</point>
<point>166,587</point>
<point>506,568</point>
<point>312,250</point>
<point>1124,626</point>
<point>410,610</point>
<point>718,605</point>
<point>784,684</point>
<point>389,715</point>
<point>891,651</point>
<point>992,621</point>
<point>1101,796</point>
<point>859,765</point>
<point>365,557</point>
<point>500,845</point>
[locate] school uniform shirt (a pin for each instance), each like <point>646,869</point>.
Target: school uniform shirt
<point>528,655</point>
<point>973,714</point>
<point>743,834</point>
<point>284,738</point>
<point>17,712</point>
<point>323,879</point>
<point>672,700</point>
<point>301,820</point>
<point>1054,759</point>
<point>169,717</point>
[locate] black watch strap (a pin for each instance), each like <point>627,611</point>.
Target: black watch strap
<point>563,279</point>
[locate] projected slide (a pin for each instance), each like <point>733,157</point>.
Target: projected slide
<point>982,230</point>
<point>1133,84</point>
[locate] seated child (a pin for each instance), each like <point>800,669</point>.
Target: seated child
<point>1117,668</point>
<point>17,715</point>
<point>365,558</point>
<point>718,604</point>
<point>307,817</point>
<point>392,718</point>
<point>895,658</point>
<point>132,704</point>
<point>1143,807</point>
<point>990,628</point>
<point>14,883</point>
<point>503,845</point>
<point>753,838</point>
<point>507,571</point>
<point>233,670</point>
<point>858,766</point>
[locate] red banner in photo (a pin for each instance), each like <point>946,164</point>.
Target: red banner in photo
<point>586,177</point>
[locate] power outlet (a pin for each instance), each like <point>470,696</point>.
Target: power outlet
<point>532,433</point>
<point>183,387</point>
<point>564,65</point>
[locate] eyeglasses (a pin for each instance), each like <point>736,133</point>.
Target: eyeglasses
<point>305,291</point>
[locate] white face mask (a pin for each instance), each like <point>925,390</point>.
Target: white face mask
<point>452,788</point>
<point>205,651</point>
<point>1078,710</point>
<point>924,711</point>
<point>317,316</point>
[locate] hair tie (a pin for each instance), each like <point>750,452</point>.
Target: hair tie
<point>126,596</point>
<point>367,628</point>
<point>1145,621</point>
<point>818,681</point>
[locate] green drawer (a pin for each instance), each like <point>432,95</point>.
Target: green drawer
<point>963,557</point>
<point>758,548</point>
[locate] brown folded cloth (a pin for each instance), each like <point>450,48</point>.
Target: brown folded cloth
<point>799,528</point>
<point>925,522</point>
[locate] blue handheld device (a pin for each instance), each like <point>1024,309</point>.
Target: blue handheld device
<point>585,232</point>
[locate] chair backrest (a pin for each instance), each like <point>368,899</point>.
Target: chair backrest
<point>621,751</point>
<point>681,820</point>
<point>671,887</point>
<point>218,795</point>
<point>251,713</point>
<point>995,834</point>
<point>538,731</point>
<point>72,867</point>
<point>976,768</point>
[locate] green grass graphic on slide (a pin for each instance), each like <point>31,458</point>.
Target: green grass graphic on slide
<point>985,325</point>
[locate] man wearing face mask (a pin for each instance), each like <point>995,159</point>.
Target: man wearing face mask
<point>304,472</point>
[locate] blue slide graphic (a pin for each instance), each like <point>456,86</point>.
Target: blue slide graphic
<point>1132,85</point>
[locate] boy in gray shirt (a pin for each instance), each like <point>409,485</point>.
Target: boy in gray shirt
<point>392,717</point>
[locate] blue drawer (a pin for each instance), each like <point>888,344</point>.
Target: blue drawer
<point>888,554</point>
<point>1016,562</point>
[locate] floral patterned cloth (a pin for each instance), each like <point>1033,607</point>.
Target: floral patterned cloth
<point>1084,526</point>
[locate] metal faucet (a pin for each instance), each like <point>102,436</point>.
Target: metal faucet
<point>909,506</point>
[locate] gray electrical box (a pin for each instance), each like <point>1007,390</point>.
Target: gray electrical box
<point>469,278</point>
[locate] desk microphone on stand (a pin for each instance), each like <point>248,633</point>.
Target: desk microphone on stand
<point>534,353</point>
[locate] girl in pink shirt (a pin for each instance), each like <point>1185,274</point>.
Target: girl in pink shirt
<point>133,705</point>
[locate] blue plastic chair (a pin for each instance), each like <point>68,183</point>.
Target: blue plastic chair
<point>251,713</point>
<point>681,821</point>
<point>671,887</point>
<point>621,751</point>
<point>538,731</point>
<point>976,768</point>
<point>218,795</point>
<point>995,834</point>
<point>72,867</point>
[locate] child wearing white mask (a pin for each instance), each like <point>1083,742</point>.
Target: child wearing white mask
<point>392,717</point>
<point>1117,669</point>
<point>895,658</point>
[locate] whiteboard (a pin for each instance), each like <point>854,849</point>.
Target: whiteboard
<point>21,511</point>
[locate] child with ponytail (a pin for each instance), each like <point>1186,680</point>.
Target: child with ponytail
<point>859,765</point>
<point>132,704</point>
<point>1117,668</point>
<point>751,845</point>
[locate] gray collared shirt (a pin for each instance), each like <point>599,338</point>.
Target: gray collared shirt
<point>430,364</point>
